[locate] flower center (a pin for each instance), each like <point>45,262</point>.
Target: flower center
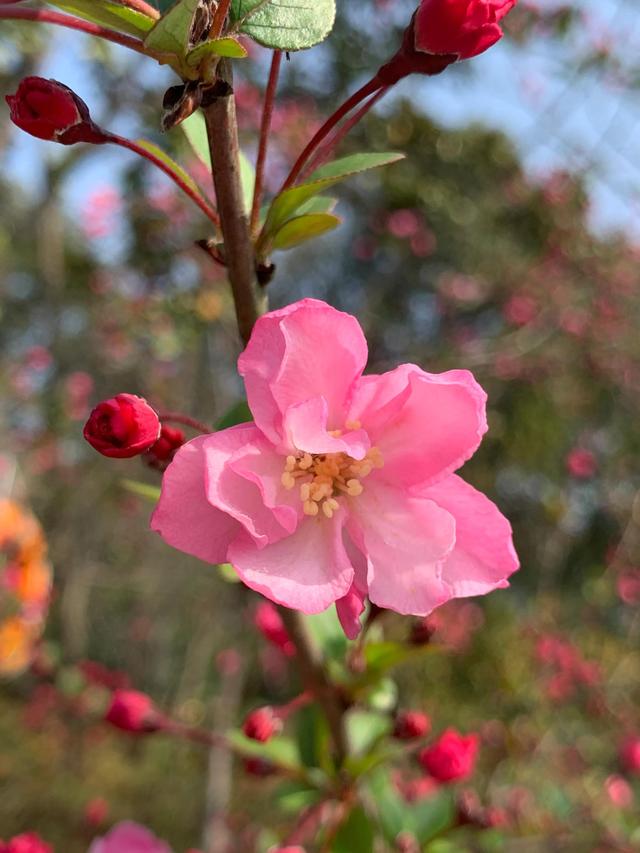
<point>323,477</point>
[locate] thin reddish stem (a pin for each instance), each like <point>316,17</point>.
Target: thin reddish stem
<point>368,89</point>
<point>204,205</point>
<point>219,18</point>
<point>265,127</point>
<point>48,16</point>
<point>185,420</point>
<point>325,151</point>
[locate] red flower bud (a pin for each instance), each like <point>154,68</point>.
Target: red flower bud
<point>50,110</point>
<point>259,767</point>
<point>169,441</point>
<point>442,32</point>
<point>28,842</point>
<point>262,724</point>
<point>96,812</point>
<point>463,27</point>
<point>411,724</point>
<point>122,427</point>
<point>452,757</point>
<point>132,711</point>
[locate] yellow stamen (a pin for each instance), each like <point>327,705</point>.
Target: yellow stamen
<point>329,476</point>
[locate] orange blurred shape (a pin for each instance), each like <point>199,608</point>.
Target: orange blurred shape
<point>25,585</point>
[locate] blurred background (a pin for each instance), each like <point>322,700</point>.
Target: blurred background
<point>506,243</point>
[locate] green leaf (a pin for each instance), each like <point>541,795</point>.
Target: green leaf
<point>312,737</point>
<point>239,413</point>
<point>285,24</point>
<point>195,130</point>
<point>303,228</point>
<point>424,819</point>
<point>293,797</point>
<point>171,33</point>
<point>279,749</point>
<point>356,835</point>
<point>170,163</point>
<point>143,490</point>
<point>289,202</point>
<point>248,181</point>
<point>327,632</point>
<point>353,164</point>
<point>108,14</point>
<point>228,573</point>
<point>365,728</point>
<point>228,46</point>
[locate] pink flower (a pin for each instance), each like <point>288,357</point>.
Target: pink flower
<point>133,711</point>
<point>343,487</point>
<point>129,837</point>
<point>619,791</point>
<point>581,463</point>
<point>269,622</point>
<point>262,724</point>
<point>462,27</point>
<point>411,724</point>
<point>630,754</point>
<point>452,757</point>
<point>28,842</point>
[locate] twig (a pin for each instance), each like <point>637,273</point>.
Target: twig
<point>315,679</point>
<point>48,16</point>
<point>141,151</point>
<point>265,127</point>
<point>222,130</point>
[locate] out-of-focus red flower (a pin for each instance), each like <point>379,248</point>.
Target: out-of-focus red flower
<point>49,110</point>
<point>28,842</point>
<point>411,724</point>
<point>268,622</point>
<point>133,711</point>
<point>262,724</point>
<point>122,427</point>
<point>452,757</point>
<point>619,791</point>
<point>259,767</point>
<point>96,812</point>
<point>581,463</point>
<point>628,586</point>
<point>129,837</point>
<point>630,754</point>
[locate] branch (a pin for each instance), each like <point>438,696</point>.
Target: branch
<point>316,680</point>
<point>222,130</point>
<point>267,114</point>
<point>48,16</point>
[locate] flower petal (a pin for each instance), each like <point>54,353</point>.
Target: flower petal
<point>306,571</point>
<point>184,517</point>
<point>483,556</point>
<point>349,609</point>
<point>237,495</point>
<point>308,349</point>
<point>425,424</point>
<point>406,540</point>
<point>305,425</point>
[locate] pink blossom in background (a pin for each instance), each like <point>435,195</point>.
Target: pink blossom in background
<point>581,463</point>
<point>269,622</point>
<point>630,754</point>
<point>628,586</point>
<point>133,711</point>
<point>452,757</point>
<point>343,488</point>
<point>129,837</point>
<point>619,791</point>
<point>27,842</point>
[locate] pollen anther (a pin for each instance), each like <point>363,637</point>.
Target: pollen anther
<point>327,476</point>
